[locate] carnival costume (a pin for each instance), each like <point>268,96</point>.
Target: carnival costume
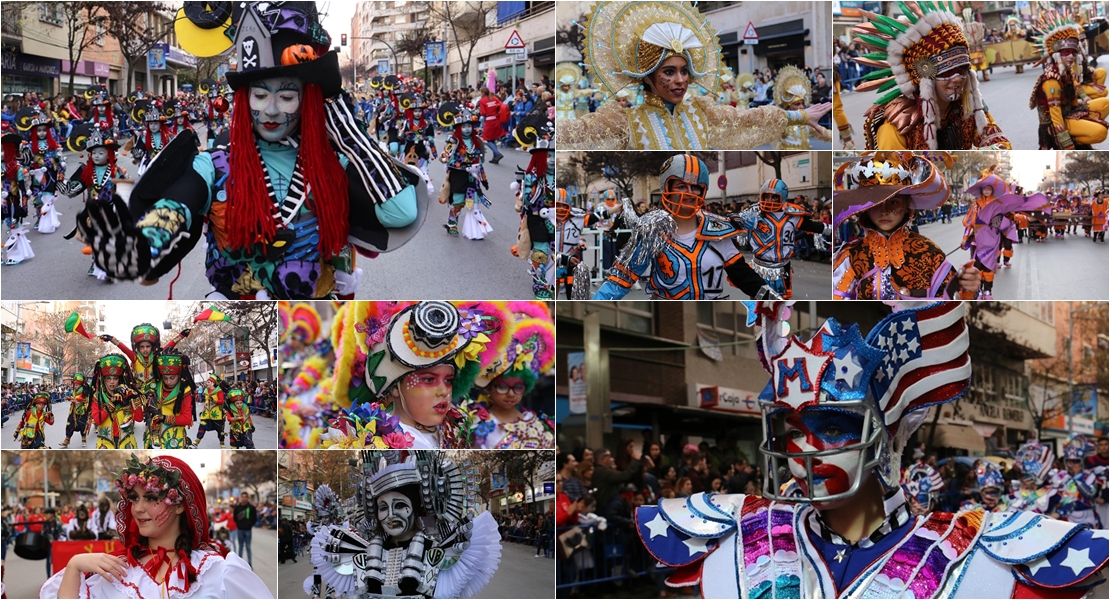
<point>1036,462</point>
<point>174,406</point>
<point>212,416</point>
<point>1069,118</point>
<point>772,227</point>
<point>203,570</point>
<point>241,426</point>
<point>529,355</point>
<point>281,217</point>
<point>383,349</point>
<point>536,237</point>
<point>143,366</point>
<point>78,419</point>
<point>215,110</point>
<point>46,165</point>
<point>692,266</point>
<point>628,41</point>
<point>794,92</point>
<point>392,549</point>
<point>986,224</point>
<point>464,155</point>
<point>31,431</point>
<point>328,511</point>
<point>418,135</point>
<point>874,393</point>
<point>17,179</point>
<point>1099,206</point>
<point>843,126</point>
<point>100,111</point>
<point>976,33</point>
<point>992,497</point>
<point>154,133</point>
<point>1079,490</point>
<point>96,178</point>
<point>903,263</point>
<point>1014,31</point>
<point>922,485</point>
<point>745,84</point>
<point>1061,215</point>
<point>569,223</point>
<point>910,58</point>
<point>115,412</point>
<point>567,74</point>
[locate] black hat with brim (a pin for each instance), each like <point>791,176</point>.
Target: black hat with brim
<point>323,71</point>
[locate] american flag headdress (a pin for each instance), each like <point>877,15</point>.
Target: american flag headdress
<point>1036,460</point>
<point>922,479</point>
<point>1077,447</point>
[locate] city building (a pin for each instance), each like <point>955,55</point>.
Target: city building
<point>293,468</point>
<point>530,20</point>
<point>29,348</point>
<point>790,33</point>
<point>377,27</point>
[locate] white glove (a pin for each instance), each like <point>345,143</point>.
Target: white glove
<point>348,283</point>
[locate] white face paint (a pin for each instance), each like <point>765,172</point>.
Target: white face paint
<point>41,130</point>
<point>99,156</point>
<point>276,107</point>
<point>816,430</point>
<point>551,162</point>
<point>395,514</point>
<point>155,126</point>
<point>467,130</point>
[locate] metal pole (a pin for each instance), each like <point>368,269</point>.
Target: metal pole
<point>234,360</point>
<point>598,419</point>
<point>45,481</point>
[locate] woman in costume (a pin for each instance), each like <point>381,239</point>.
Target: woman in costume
<point>1069,118</point>
<point>17,180</point>
<point>409,537</point>
<point>464,154</point>
<point>793,92</point>
<point>891,261</point>
<point>100,111</point>
<point>419,149</point>
<point>1099,205</point>
<point>931,98</point>
<point>986,225</point>
<point>212,415</point>
<point>165,550</point>
<point>31,431</point>
<point>689,251</point>
<point>535,238</point>
<point>833,521</point>
<point>281,208</point>
<point>97,177</point>
<point>215,110</point>
<point>667,48</point>
<point>174,398</point>
<point>47,164</point>
<point>501,422</point>
<point>78,420</point>
<point>241,427</point>
<point>399,366</point>
<point>771,228</point>
<point>116,404</point>
<point>81,527</point>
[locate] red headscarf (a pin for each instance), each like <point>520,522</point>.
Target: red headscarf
<point>196,514</point>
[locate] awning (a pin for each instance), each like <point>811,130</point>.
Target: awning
<point>958,436</point>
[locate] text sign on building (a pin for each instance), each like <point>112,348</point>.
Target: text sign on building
<point>714,397</point>
<point>516,44</point>
<point>751,36</point>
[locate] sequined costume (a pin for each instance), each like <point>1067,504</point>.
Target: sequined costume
<point>1078,487</point>
<point>780,546</point>
<point>1068,117</point>
<point>771,228</point>
<point>794,92</point>
<point>910,58</point>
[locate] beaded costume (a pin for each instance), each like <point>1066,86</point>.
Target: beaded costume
<point>627,41</point>
<point>742,546</point>
<point>794,92</point>
<point>1069,118</point>
<point>910,56</point>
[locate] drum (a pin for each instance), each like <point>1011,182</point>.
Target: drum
<point>32,546</point>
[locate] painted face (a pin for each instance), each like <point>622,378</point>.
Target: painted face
<point>171,380</point>
<point>818,430</point>
<point>466,130</point>
<point>796,105</point>
<point>111,383</point>
<point>152,515</point>
<point>425,395</point>
<point>950,84</point>
<point>99,156</point>
<point>41,130</point>
<point>155,126</point>
<point>395,513</point>
<point>145,348</point>
<point>1068,56</point>
<point>211,385</point>
<point>550,162</point>
<point>990,496</point>
<point>888,215</point>
<point>671,79</point>
<point>276,107</point>
<point>506,392</point>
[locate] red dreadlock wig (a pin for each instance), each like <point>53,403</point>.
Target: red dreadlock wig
<point>538,164</point>
<point>96,109</point>
<point>88,174</point>
<point>11,161</point>
<point>51,142</point>
<point>251,214</point>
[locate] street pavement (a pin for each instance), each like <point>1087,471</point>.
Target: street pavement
<point>23,578</point>
<point>265,435</point>
<point>1074,268</point>
<point>433,265</point>
<point>519,575</point>
<point>1006,97</point>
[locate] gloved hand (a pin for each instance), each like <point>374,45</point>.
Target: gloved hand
<point>348,283</point>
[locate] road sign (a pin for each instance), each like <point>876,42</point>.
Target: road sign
<point>520,56</point>
<point>722,182</point>
<point>751,36</point>
<point>515,41</point>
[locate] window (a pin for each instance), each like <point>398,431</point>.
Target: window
<point>1045,311</point>
<point>100,33</point>
<point>727,320</point>
<point>51,12</point>
<point>631,315</point>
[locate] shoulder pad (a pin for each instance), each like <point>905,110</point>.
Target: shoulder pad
<point>1069,563</point>
<point>668,544</point>
<point>714,227</point>
<point>1020,536</point>
<point>694,516</point>
<point>794,209</point>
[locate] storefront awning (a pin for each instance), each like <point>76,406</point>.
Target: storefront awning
<point>964,437</point>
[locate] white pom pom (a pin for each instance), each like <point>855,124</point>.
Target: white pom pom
<point>515,186</point>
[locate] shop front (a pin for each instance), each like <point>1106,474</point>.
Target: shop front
<point>86,73</point>
<point>24,73</point>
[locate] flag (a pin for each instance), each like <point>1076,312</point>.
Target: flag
<point>74,325</point>
<point>212,314</point>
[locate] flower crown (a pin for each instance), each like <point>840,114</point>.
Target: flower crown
<point>152,478</point>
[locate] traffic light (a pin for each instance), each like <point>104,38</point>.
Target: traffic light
<point>343,39</point>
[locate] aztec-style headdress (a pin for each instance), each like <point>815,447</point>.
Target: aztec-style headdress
<point>1056,31</point>
<point>745,80</point>
<point>536,130</point>
<point>792,85</point>
<point>626,42</point>
<point>911,55</point>
<point>1036,461</point>
<point>913,359</point>
<point>877,177</point>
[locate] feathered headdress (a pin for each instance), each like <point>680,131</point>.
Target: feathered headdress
<point>1056,31</point>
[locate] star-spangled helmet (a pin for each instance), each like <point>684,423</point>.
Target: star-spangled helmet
<point>923,483</point>
<point>772,195</point>
<point>1077,447</point>
<point>989,477</point>
<point>913,359</point>
<point>1036,461</point>
<point>689,169</point>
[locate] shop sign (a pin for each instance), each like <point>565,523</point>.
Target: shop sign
<point>25,64</point>
<point>714,397</point>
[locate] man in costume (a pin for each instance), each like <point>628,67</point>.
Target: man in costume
<point>299,187</point>
<point>328,511</point>
<point>536,237</point>
<point>689,251</point>
<point>464,155</point>
<point>569,223</point>
<point>31,431</point>
<point>771,228</point>
<point>931,98</point>
<point>153,135</point>
<point>97,177</point>
<point>78,420</point>
<point>666,48</point>
<point>212,416</point>
<point>410,537</point>
<point>793,92</point>
<point>417,149</point>
<point>1069,118</point>
<point>832,520</point>
<point>116,404</point>
<point>146,343</point>
<point>976,33</point>
<point>986,225</point>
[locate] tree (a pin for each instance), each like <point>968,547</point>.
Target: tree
<point>469,23</point>
<point>621,168</point>
<point>78,353</point>
<point>78,18</point>
<point>572,35</point>
<point>134,25</point>
<point>251,469</point>
<point>413,43</point>
<point>520,468</point>
<point>1087,168</point>
<point>772,159</point>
